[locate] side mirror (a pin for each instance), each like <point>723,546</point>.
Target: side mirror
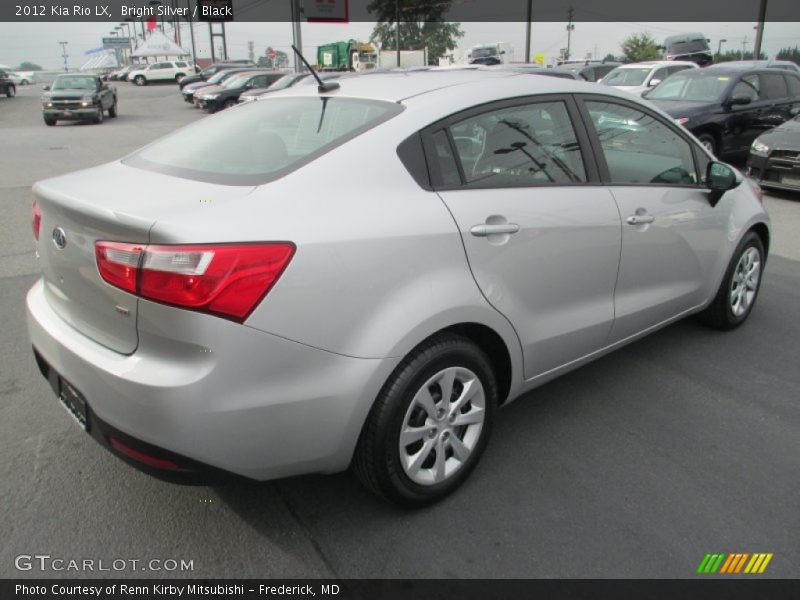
<point>719,179</point>
<point>46,88</point>
<point>740,100</point>
<point>654,82</point>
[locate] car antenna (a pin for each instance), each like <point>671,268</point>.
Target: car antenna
<point>324,86</point>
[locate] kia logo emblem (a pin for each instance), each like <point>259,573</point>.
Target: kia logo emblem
<point>59,238</point>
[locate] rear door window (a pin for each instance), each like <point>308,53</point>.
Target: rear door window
<point>773,86</point>
<point>793,84</point>
<point>530,144</point>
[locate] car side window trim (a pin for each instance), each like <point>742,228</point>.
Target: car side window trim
<point>587,155</point>
<point>597,149</point>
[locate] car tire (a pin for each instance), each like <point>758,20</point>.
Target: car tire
<point>11,91</point>
<point>24,82</point>
<point>98,118</point>
<point>739,289</point>
<point>112,112</point>
<point>179,76</point>
<point>49,122</point>
<point>228,103</point>
<point>140,80</point>
<point>453,440</point>
<point>709,142</point>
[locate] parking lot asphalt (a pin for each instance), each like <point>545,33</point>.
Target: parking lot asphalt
<point>636,465</point>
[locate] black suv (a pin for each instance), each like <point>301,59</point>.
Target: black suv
<point>78,97</point>
<point>726,108</point>
<point>7,86</point>
<point>227,94</point>
<point>214,69</point>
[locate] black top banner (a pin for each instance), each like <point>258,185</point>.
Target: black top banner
<point>713,588</point>
<point>410,10</point>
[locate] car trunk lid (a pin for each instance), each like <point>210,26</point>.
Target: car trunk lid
<point>113,202</point>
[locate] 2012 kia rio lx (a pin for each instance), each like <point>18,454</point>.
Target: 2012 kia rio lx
<point>361,276</point>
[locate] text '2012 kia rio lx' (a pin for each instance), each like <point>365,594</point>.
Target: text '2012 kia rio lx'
<point>362,275</point>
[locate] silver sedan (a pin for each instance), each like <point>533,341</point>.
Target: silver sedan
<point>359,275</point>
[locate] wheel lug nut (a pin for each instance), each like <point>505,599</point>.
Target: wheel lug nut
<point>432,433</point>
<point>452,419</point>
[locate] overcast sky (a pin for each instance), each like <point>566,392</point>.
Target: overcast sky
<point>38,42</point>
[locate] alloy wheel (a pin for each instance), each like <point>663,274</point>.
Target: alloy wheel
<point>442,426</point>
<point>744,283</point>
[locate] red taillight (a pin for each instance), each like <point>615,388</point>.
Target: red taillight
<point>224,279</point>
<point>37,220</point>
<point>153,461</point>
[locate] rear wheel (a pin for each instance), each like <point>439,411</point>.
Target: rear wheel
<point>739,288</point>
<point>709,142</point>
<point>430,423</point>
<point>140,80</point>
<point>179,76</point>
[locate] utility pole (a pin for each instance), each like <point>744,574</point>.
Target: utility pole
<point>719,48</point>
<point>570,28</point>
<point>528,32</point>
<point>397,29</point>
<point>762,14</point>
<point>744,44</point>
<point>297,35</point>
<point>64,54</point>
<point>191,32</point>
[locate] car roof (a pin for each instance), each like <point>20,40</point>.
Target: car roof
<point>402,86</point>
<point>738,69</point>
<point>748,65</point>
<point>655,63</point>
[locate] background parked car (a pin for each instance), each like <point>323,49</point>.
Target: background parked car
<point>208,72</point>
<point>774,159</point>
<point>637,78</point>
<point>189,91</point>
<point>78,97</point>
<point>590,70</point>
<point>227,94</point>
<point>536,69</point>
<point>21,77</point>
<point>728,107</point>
<point>7,86</point>
<point>287,81</point>
<point>172,70</point>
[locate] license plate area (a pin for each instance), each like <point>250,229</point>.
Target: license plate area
<point>67,113</point>
<point>790,180</point>
<point>71,399</point>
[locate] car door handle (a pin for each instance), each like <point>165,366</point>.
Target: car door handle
<point>640,219</point>
<point>499,229</point>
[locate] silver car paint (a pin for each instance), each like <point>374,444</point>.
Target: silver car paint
<point>379,268</point>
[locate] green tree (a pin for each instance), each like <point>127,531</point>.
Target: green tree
<point>28,66</point>
<point>730,55</point>
<point>640,46</point>
<point>421,26</point>
<point>787,53</point>
<point>609,57</point>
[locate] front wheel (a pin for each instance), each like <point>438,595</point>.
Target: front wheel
<point>98,118</point>
<point>429,424</point>
<point>140,80</point>
<point>11,91</point>
<point>112,112</point>
<point>49,122</point>
<point>739,288</point>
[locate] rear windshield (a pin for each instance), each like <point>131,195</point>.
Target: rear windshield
<point>687,46</point>
<point>257,142</point>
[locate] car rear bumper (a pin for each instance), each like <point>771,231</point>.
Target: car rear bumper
<point>780,171</point>
<point>225,398</point>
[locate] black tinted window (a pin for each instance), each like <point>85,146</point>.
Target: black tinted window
<point>748,86</point>
<point>532,144</point>
<point>794,86</point>
<point>773,86</point>
<point>639,148</point>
